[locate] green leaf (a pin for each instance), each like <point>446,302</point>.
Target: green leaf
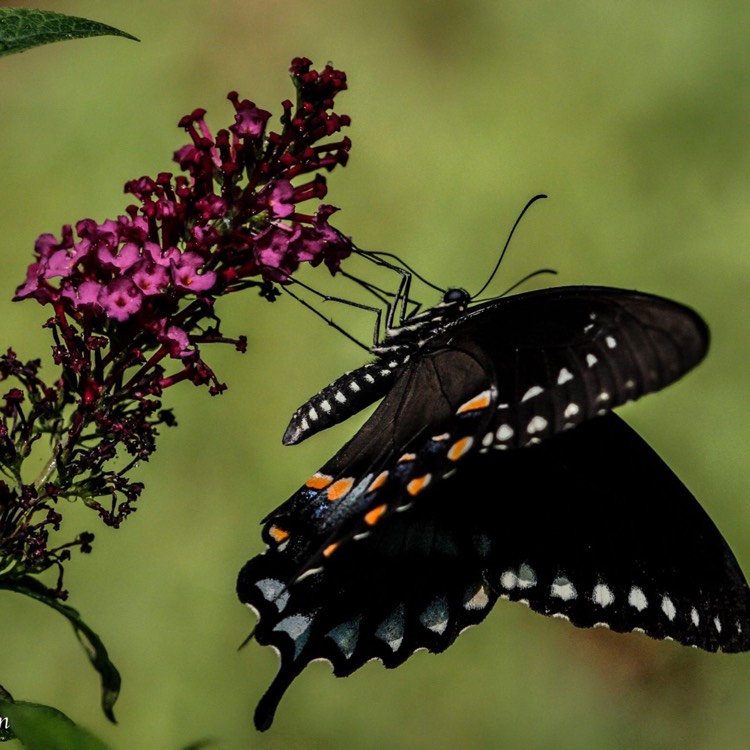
<point>22,29</point>
<point>45,728</point>
<point>88,639</point>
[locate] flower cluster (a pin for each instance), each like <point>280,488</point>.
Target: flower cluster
<point>132,295</point>
<point>197,236</point>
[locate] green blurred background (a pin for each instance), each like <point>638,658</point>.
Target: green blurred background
<point>634,117</point>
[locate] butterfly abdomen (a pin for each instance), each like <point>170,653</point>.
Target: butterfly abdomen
<point>341,399</point>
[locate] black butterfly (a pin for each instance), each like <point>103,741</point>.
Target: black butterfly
<point>494,468</point>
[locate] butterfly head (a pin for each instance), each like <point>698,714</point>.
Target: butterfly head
<point>456,297</point>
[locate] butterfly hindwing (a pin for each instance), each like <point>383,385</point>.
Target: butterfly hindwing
<point>590,525</point>
<point>394,459</point>
<point>612,537</point>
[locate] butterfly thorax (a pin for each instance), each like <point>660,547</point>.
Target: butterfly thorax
<point>416,329</point>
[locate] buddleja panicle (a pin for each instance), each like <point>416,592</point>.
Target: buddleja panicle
<point>133,303</point>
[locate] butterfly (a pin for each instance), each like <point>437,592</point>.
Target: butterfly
<point>494,467</point>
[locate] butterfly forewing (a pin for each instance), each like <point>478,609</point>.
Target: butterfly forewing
<point>561,356</point>
<point>590,525</point>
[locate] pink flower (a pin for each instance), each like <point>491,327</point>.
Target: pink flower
<point>185,273</point>
<point>149,277</point>
<point>120,299</point>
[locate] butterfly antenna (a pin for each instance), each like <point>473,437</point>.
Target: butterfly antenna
<point>527,277</point>
<point>507,242</point>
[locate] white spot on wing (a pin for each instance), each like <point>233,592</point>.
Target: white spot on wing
<point>345,636</point>
<point>717,624</point>
<point>297,628</point>
<point>435,616</point>
<point>563,588</point>
<point>537,424</point>
<point>476,599</point>
<point>571,410</point>
<point>340,397</point>
<point>274,591</point>
<point>637,599</point>
<point>526,576</point>
<point>564,376</point>
<point>391,630</point>
<point>611,342</point>
<point>535,390</point>
<point>694,616</point>
<point>602,595</point>
<point>504,432</point>
<point>508,580</point>
<point>591,360</point>
<point>354,386</point>
<point>667,606</point>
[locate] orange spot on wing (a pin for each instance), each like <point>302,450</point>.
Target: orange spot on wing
<point>460,448</point>
<point>417,485</point>
<point>480,401</point>
<point>378,482</point>
<point>318,481</point>
<point>339,488</point>
<point>407,457</point>
<point>330,549</point>
<point>278,534</point>
<point>373,516</point>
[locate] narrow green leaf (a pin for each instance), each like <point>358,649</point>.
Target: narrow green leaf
<point>88,639</point>
<point>45,728</point>
<point>22,29</point>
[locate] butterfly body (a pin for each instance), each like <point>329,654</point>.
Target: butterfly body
<point>494,468</point>
<point>359,388</point>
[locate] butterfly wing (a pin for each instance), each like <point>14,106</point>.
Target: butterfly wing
<point>559,356</point>
<point>562,355</point>
<point>505,374</point>
<point>590,525</point>
<point>420,432</point>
